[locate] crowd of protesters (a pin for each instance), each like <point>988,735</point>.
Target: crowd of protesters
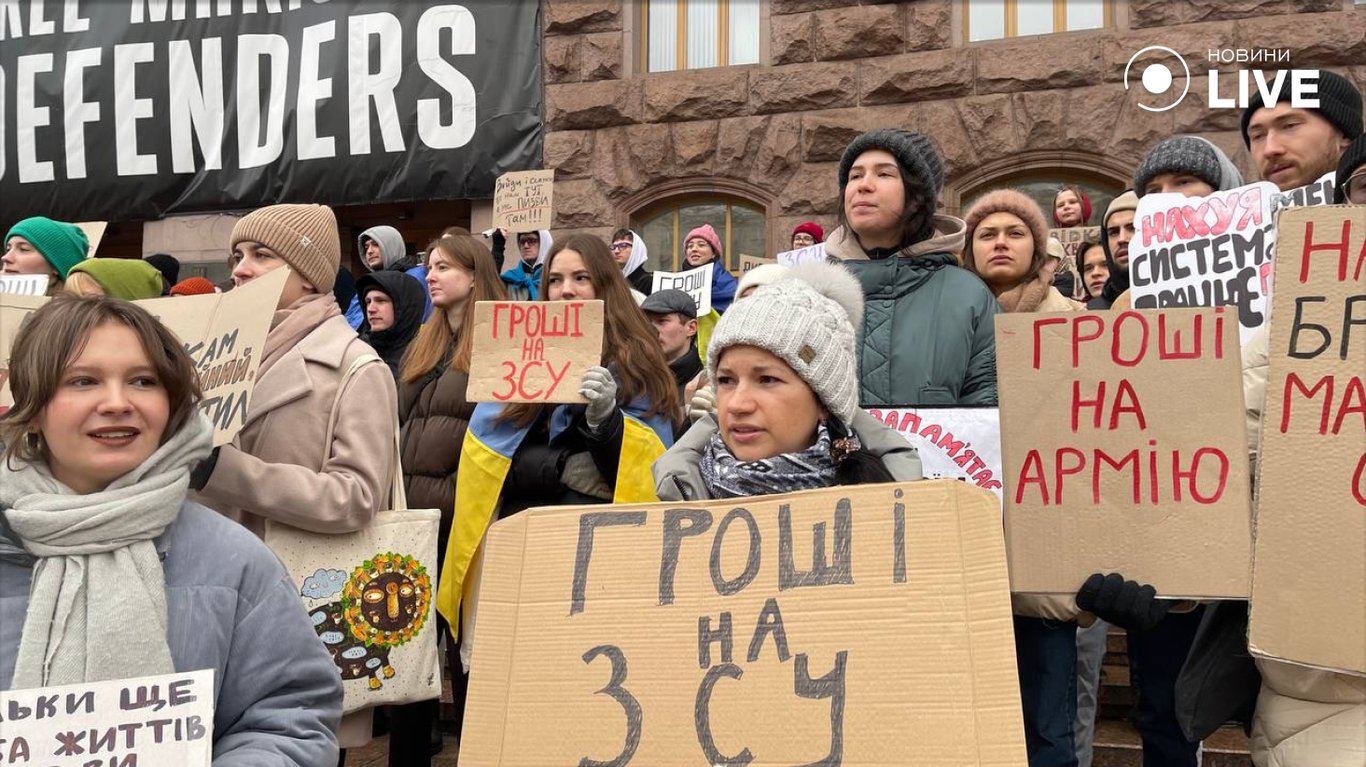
<point>113,501</point>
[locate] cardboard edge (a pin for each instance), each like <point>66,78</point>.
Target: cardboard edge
<point>504,543</point>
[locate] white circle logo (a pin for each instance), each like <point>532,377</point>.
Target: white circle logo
<point>1157,78</point>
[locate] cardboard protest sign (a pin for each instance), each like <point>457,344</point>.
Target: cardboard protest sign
<point>1212,251</point>
<point>24,284</point>
<point>534,351</point>
<point>1309,571</point>
<point>149,720</point>
<point>522,200</point>
<point>954,442</point>
<point>1071,239</point>
<point>864,625</point>
<point>1124,448</point>
<point>748,262</point>
<point>802,255</point>
<point>225,334</point>
<point>94,233</point>
<point>694,282</point>
<point>13,309</point>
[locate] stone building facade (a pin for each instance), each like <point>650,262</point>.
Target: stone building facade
<point>1045,107</point>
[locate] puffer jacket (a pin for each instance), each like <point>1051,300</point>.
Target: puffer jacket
<point>1304,717</point>
<point>435,415</point>
<point>928,335</point>
<point>679,478</point>
<point>231,608</point>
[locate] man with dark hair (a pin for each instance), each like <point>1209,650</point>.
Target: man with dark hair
<point>1295,146</point>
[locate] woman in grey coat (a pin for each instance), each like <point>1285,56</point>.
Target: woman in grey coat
<point>106,572</point>
<point>787,415</point>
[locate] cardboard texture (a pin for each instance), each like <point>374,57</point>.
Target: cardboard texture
<point>748,262</point>
<point>225,334</point>
<point>1123,440</point>
<point>961,443</point>
<point>1071,239</point>
<point>588,648</point>
<point>802,255</point>
<point>94,233</point>
<point>534,351</point>
<point>13,309</point>
<point>24,284</point>
<point>523,200</point>
<point>1213,251</point>
<point>155,720</point>
<point>694,282</point>
<point>1309,573</point>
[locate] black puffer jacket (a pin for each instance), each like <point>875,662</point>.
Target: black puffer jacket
<point>434,414</point>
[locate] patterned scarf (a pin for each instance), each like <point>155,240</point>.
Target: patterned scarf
<point>728,477</point>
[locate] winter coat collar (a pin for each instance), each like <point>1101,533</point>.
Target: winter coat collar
<point>289,380</point>
<point>949,235</point>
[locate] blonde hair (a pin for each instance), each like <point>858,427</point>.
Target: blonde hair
<point>83,285</point>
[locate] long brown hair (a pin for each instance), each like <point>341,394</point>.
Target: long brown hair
<point>434,338</point>
<point>630,344</point>
<point>52,338</point>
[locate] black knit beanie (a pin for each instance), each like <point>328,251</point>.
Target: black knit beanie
<point>913,151</point>
<point>1339,104</point>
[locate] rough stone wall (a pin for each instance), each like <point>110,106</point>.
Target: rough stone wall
<point>838,67</point>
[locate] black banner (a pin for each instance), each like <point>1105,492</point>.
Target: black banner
<point>133,109</point>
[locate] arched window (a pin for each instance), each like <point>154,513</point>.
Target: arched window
<point>663,223</point>
<point>1040,174</point>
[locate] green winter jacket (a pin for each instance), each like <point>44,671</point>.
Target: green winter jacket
<point>928,335</point>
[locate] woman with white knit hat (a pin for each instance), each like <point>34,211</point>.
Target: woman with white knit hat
<point>787,417</point>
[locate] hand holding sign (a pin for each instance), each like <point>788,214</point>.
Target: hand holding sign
<point>534,351</point>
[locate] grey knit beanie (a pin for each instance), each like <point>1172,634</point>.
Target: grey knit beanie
<point>807,319</point>
<point>1187,154</point>
<point>913,151</point>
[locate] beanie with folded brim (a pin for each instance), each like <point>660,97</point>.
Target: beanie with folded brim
<point>305,236</point>
<point>1187,155</point>
<point>63,245</point>
<point>806,318</point>
<point>1339,104</point>
<point>126,278</point>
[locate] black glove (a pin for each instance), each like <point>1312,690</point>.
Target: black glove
<point>199,476</point>
<point>1127,604</point>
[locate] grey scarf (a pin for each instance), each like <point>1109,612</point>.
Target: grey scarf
<point>97,603</point>
<point>728,477</point>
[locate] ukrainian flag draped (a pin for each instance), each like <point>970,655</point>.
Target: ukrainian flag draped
<point>486,457</point>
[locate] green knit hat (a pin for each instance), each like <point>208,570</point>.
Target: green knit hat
<point>131,279</point>
<point>63,245</point>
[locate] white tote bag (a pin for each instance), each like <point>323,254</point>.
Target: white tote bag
<point>372,594</point>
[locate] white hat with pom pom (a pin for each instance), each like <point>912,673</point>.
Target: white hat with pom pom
<point>808,318</point>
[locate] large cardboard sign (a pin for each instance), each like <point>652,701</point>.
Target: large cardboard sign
<point>13,309</point>
<point>748,262</point>
<point>148,720</point>
<point>225,334</point>
<point>1213,251</point>
<point>94,234</point>
<point>534,351</point>
<point>1123,437</point>
<point>802,255</point>
<point>1309,573</point>
<point>1071,239</point>
<point>244,104</point>
<point>694,282</point>
<point>24,284</point>
<point>523,200</point>
<point>857,625</point>
<point>960,443</point>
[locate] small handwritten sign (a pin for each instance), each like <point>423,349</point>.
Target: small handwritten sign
<point>522,200</point>
<point>149,720</point>
<point>694,282</point>
<point>534,351</point>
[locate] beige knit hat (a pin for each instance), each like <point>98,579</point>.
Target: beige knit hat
<point>305,236</point>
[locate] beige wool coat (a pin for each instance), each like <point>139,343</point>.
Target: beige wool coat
<point>279,468</point>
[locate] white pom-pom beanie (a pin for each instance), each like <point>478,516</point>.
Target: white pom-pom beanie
<point>808,319</point>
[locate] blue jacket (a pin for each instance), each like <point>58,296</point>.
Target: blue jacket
<point>231,608</point>
<point>723,285</point>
